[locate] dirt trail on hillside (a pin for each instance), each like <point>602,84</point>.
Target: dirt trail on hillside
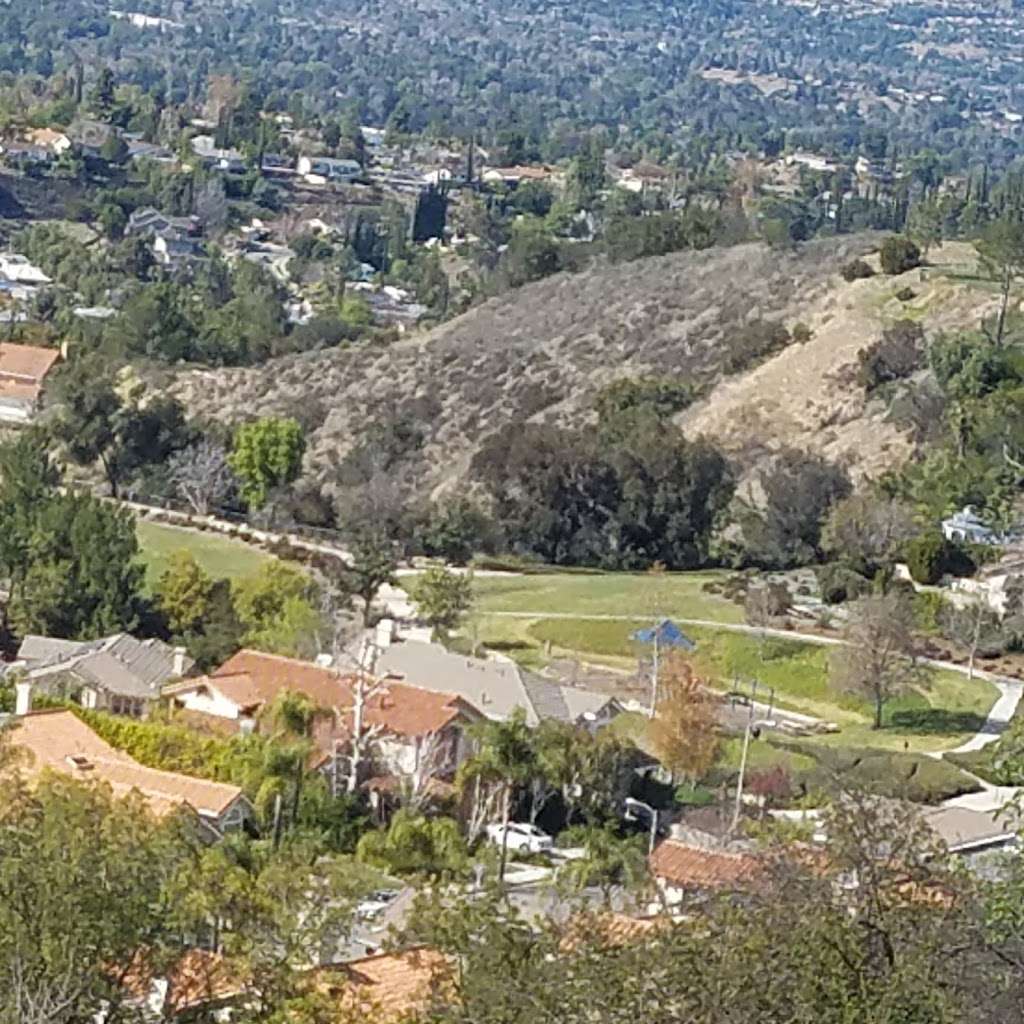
<point>808,396</point>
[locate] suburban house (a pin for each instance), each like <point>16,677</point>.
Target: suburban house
<point>48,138</point>
<point>967,527</point>
<point>211,155</point>
<point>972,836</point>
<point>388,987</point>
<point>512,176</point>
<point>384,987</point>
<point>150,223</point>
<point>174,253</point>
<point>410,732</point>
<point>140,150</point>
<point>90,136</point>
<point>56,740</point>
<point>23,370</point>
<point>116,673</point>
<point>15,267</point>
<point>496,687</point>
<point>682,870</point>
<point>328,168</point>
<point>23,154</point>
<point>199,984</point>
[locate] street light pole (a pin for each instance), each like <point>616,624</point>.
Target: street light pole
<point>631,803</point>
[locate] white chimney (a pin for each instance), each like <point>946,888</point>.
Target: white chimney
<point>22,698</point>
<point>179,662</point>
<point>385,633</point>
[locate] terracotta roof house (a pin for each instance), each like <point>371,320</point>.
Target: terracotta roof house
<point>388,987</point>
<point>55,141</point>
<point>198,983</point>
<point>23,370</point>
<point>682,870</point>
<point>116,673</point>
<point>407,726</point>
<point>57,740</point>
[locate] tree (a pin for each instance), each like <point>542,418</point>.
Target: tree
<point>266,454</point>
<point>972,625</point>
<point>610,862</point>
<point>898,255</point>
<point>81,878</point>
<point>416,845</point>
<point>765,603</point>
<point>868,531</point>
<point>442,597</point>
<point>1001,249</point>
<point>684,730</point>
<point>201,475</point>
<point>276,609</point>
<point>184,593</point>
<point>82,578</point>
<point>783,528</point>
<point>930,557</point>
<point>291,718</point>
<point>96,423</point>
<point>371,565</point>
<point>877,660</point>
<point>102,96</point>
<point>454,530</point>
<point>504,759</point>
<point>925,224</point>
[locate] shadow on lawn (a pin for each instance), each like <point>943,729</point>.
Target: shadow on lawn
<point>936,720</point>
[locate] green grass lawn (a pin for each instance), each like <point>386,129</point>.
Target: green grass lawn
<point>939,715</point>
<point>647,595</point>
<point>221,557</point>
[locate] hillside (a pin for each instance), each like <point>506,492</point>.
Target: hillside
<point>544,351</point>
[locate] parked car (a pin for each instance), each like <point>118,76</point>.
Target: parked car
<point>376,902</point>
<point>522,837</point>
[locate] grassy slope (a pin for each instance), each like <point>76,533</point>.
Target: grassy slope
<point>221,557</point>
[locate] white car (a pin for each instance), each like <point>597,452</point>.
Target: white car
<point>522,837</point>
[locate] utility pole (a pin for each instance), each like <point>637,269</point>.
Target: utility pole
<point>750,729</point>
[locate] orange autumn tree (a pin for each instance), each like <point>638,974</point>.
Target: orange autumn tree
<point>684,730</point>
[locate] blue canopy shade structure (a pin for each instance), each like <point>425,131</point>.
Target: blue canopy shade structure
<point>667,634</point>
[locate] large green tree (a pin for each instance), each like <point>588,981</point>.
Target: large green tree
<point>266,454</point>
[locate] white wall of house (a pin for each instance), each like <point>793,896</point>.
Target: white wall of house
<point>208,702</point>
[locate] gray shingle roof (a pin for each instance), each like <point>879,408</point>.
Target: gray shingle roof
<point>120,664</point>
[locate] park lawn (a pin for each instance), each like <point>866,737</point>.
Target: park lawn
<point>221,557</point>
<point>639,595</point>
<point>941,714</point>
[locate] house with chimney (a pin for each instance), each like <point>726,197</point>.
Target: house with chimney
<point>496,686</point>
<point>23,373</point>
<point>405,733</point>
<point>56,740</point>
<point>119,673</point>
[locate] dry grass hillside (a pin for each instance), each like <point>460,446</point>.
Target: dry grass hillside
<point>544,351</point>
<point>806,395</point>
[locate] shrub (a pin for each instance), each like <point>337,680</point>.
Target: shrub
<point>801,333</point>
<point>855,270</point>
<point>755,342</point>
<point>899,255</point>
<point>930,557</point>
<point>905,294</point>
<point>928,611</point>
<point>839,583</point>
<point>896,355</point>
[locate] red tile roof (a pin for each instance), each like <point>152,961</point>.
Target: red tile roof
<point>389,986</point>
<point>252,679</point>
<point>59,741</point>
<point>29,364</point>
<point>196,979</point>
<point>692,867</point>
